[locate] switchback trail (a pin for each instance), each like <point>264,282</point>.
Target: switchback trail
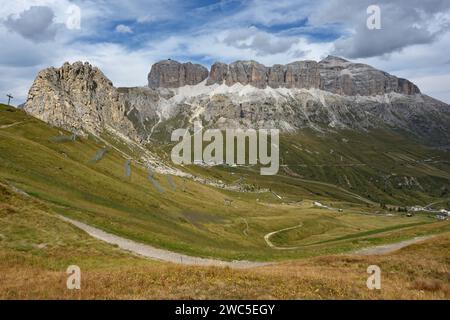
<point>156,253</point>
<point>270,244</point>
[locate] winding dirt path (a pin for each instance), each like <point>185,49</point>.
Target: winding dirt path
<point>270,244</point>
<point>10,125</point>
<point>383,249</point>
<point>159,254</point>
<point>388,248</point>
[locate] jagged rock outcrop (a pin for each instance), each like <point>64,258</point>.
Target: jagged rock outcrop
<point>218,73</point>
<point>78,97</point>
<point>140,103</point>
<point>173,74</point>
<point>247,72</point>
<point>243,72</point>
<point>345,78</point>
<point>301,74</point>
<point>332,74</point>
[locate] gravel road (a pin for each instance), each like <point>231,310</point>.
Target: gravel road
<point>156,253</point>
<point>388,248</point>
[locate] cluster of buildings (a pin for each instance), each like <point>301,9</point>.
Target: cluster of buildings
<point>441,214</point>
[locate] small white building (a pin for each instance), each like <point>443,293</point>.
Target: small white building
<point>416,209</point>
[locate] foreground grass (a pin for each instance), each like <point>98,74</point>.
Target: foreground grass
<point>36,248</point>
<point>418,272</point>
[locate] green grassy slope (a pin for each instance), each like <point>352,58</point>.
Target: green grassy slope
<point>381,166</point>
<point>195,219</point>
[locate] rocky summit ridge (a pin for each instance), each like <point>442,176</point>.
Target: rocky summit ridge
<point>332,74</point>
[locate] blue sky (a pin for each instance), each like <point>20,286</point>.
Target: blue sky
<point>124,38</point>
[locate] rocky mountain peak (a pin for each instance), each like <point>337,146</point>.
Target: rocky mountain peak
<point>78,97</point>
<point>173,74</point>
<point>336,60</point>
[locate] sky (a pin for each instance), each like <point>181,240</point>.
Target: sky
<point>124,38</point>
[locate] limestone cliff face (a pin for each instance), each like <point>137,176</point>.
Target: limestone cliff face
<point>173,74</point>
<point>218,74</point>
<point>301,74</point>
<point>79,98</point>
<point>332,74</point>
<point>345,78</point>
<point>247,72</point>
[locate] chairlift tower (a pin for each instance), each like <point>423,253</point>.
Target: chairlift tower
<point>9,98</point>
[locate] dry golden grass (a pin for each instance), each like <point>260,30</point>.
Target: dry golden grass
<point>420,271</point>
<point>36,248</point>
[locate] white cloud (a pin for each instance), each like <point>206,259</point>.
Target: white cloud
<point>35,23</point>
<point>262,43</point>
<point>15,8</point>
<point>121,28</point>
<point>403,23</point>
<point>269,12</point>
<point>436,86</point>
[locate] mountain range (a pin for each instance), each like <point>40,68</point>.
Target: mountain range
<point>324,96</point>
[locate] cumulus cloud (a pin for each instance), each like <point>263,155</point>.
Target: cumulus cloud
<point>269,12</point>
<point>367,43</point>
<point>143,11</point>
<point>262,43</point>
<point>35,23</point>
<point>403,23</point>
<point>121,28</point>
